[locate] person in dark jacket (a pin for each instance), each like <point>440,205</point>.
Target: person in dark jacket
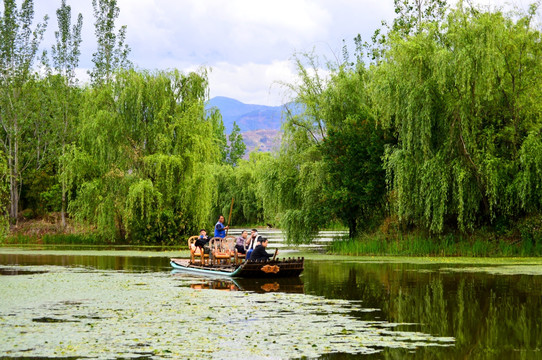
<point>259,253</point>
<point>203,241</point>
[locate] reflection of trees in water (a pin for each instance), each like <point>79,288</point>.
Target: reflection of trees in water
<point>101,262</point>
<point>486,323</point>
<point>490,316</point>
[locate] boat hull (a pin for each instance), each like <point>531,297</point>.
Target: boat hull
<point>248,269</point>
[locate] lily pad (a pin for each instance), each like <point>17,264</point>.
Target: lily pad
<point>115,316</point>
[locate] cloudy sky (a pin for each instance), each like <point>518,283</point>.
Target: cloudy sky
<point>248,44</point>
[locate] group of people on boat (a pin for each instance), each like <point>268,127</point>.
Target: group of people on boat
<point>253,246</point>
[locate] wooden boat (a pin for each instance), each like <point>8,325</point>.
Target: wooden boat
<point>290,267</point>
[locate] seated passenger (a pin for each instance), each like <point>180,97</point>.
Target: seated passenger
<point>241,242</point>
<point>259,252</point>
<point>251,242</point>
<point>203,241</point>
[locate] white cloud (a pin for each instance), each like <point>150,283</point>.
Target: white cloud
<point>252,83</point>
<point>82,75</point>
<point>247,42</point>
<point>211,31</point>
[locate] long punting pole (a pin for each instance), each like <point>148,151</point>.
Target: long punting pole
<point>229,217</point>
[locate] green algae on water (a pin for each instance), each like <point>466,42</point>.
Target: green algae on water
<point>528,269</point>
<point>107,314</point>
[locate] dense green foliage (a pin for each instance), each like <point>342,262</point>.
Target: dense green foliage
<point>442,132</point>
<point>19,93</point>
<point>329,167</point>
<point>435,126</point>
<point>141,156</point>
<point>237,147</point>
<point>463,97</point>
<point>133,155</point>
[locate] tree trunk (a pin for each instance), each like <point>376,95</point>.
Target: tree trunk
<point>14,179</point>
<point>13,210</point>
<point>63,208</point>
<point>62,166</point>
<point>352,228</point>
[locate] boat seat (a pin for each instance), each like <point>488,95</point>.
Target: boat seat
<point>197,255</point>
<point>239,257</point>
<point>228,243</point>
<point>220,250</point>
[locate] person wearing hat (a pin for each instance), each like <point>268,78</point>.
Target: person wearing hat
<point>259,253</point>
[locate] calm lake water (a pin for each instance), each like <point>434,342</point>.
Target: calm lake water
<point>121,304</point>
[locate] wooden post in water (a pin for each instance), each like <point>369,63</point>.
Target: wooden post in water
<point>229,217</point>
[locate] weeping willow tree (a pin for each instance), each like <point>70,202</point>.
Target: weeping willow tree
<point>294,180</point>
<point>243,183</point>
<point>329,167</point>
<point>140,167</point>
<point>464,99</point>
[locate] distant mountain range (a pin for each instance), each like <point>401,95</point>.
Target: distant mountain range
<point>248,117</point>
<point>259,124</point>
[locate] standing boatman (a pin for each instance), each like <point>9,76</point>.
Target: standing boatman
<point>220,229</point>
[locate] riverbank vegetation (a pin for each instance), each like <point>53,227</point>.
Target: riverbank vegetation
<point>427,139</point>
<point>437,137</point>
<point>480,245</point>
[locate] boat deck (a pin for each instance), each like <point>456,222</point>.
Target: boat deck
<point>255,269</point>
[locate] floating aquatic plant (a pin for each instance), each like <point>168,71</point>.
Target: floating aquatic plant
<point>105,314</point>
<point>528,269</point>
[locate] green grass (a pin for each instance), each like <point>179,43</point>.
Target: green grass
<point>416,245</point>
<point>54,239</point>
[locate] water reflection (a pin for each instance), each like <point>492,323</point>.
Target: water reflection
<point>6,271</point>
<point>110,262</point>
<point>284,285</point>
<point>489,316</point>
<point>226,285</point>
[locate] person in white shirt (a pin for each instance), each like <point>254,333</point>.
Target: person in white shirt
<point>252,242</point>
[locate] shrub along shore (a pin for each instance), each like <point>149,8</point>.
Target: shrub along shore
<point>416,245</point>
<point>526,243</point>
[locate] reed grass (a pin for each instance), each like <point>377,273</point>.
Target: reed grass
<point>418,245</point>
<point>53,239</point>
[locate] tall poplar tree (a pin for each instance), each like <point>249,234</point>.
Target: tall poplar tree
<point>19,44</point>
<point>112,52</point>
<point>65,59</point>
